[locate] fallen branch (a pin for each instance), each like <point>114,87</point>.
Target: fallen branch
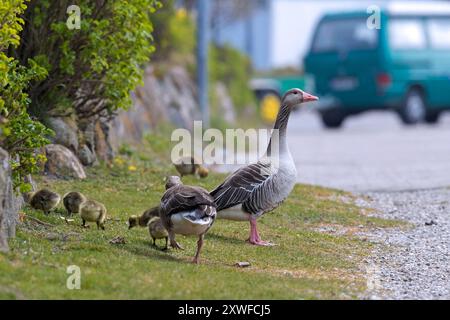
<point>38,221</point>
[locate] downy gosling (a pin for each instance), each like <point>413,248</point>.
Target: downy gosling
<point>157,231</point>
<point>93,211</point>
<point>189,165</point>
<point>43,199</point>
<point>72,202</point>
<point>143,219</point>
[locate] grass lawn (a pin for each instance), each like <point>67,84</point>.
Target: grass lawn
<point>307,263</point>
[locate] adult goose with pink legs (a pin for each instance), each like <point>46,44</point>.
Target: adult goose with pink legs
<point>258,188</point>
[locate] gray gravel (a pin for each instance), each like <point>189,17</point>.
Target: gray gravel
<point>410,263</point>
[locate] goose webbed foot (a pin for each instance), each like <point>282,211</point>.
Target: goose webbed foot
<point>254,238</point>
<point>260,242</point>
<point>173,243</point>
<point>176,245</point>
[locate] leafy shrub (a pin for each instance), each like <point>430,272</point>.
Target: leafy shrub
<point>91,70</point>
<point>174,35</point>
<point>21,135</point>
<point>233,68</point>
<point>46,69</point>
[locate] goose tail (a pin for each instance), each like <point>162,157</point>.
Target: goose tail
<point>202,215</point>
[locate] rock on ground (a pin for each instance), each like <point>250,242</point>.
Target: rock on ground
<point>86,156</point>
<point>225,103</point>
<point>171,97</point>
<point>61,162</point>
<point>65,132</point>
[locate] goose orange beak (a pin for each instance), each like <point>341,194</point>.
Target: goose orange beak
<point>309,97</point>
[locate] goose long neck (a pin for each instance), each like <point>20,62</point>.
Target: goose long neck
<point>278,138</point>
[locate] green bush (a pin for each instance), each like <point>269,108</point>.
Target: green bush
<point>234,69</point>
<point>175,36</point>
<point>91,70</point>
<point>47,69</point>
<point>21,135</point>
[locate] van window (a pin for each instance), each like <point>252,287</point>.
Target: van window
<point>406,34</point>
<point>344,35</point>
<point>439,33</point>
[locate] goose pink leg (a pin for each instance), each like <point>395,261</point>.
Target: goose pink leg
<point>254,238</point>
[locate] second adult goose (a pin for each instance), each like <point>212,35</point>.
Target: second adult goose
<point>258,188</point>
<point>186,210</point>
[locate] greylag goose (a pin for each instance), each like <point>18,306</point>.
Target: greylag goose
<point>253,190</point>
<point>144,218</point>
<point>186,210</point>
<point>43,199</point>
<point>188,165</point>
<point>72,202</point>
<point>157,230</point>
<point>93,211</point>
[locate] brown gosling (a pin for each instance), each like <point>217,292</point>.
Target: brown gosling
<point>43,199</point>
<point>144,218</point>
<point>157,231</point>
<point>187,165</point>
<point>93,211</point>
<point>72,202</point>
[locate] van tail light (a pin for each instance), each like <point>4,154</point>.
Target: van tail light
<point>384,80</point>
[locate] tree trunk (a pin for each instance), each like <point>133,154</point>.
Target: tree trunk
<point>9,203</point>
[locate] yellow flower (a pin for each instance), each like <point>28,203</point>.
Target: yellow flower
<point>118,161</point>
<point>181,13</point>
<point>132,168</point>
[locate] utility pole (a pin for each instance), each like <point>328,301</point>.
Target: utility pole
<point>202,58</point>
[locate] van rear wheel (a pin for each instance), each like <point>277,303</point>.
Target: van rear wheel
<point>332,118</point>
<point>414,109</point>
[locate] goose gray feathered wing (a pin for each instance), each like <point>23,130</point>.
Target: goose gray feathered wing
<point>184,198</point>
<point>248,186</point>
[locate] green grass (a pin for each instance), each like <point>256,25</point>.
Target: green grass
<point>306,263</point>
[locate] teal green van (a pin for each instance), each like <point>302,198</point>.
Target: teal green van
<point>403,64</point>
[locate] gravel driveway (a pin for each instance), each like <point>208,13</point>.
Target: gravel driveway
<point>413,263</point>
<point>406,173</point>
